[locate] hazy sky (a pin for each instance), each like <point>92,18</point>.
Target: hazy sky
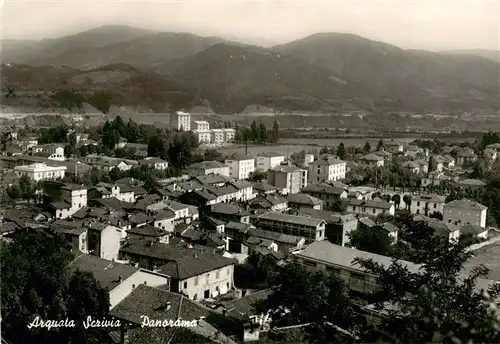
<point>419,24</point>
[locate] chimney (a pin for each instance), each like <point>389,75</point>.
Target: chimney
<point>150,243</point>
<point>120,279</point>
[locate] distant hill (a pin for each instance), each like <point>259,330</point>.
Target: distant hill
<point>81,42</point>
<point>487,54</point>
<point>416,79</point>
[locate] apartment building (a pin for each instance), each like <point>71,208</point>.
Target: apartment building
<point>465,212</point>
<point>427,204</point>
<point>268,161</point>
<point>229,134</point>
<point>327,193</point>
<point>240,166</point>
<point>204,137</point>
<point>104,240</point>
<point>181,121</point>
<point>310,228</point>
<point>40,171</point>
<point>201,126</point>
<point>217,136</point>
<point>325,169</point>
<point>67,198</point>
<point>370,207</point>
<point>208,167</point>
<point>288,179</point>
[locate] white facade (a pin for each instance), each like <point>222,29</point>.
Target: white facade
<point>207,285</point>
<point>462,212</point>
<point>267,162</point>
<point>201,126</point>
<point>203,137</point>
<point>53,151</point>
<point>308,158</point>
<point>40,171</point>
<point>426,205</point>
<point>183,121</point>
<point>229,134</point>
<point>217,136</point>
<point>241,168</point>
<point>326,170</point>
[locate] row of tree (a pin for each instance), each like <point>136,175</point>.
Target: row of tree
<point>257,133</point>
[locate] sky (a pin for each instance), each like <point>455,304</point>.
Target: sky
<point>409,24</point>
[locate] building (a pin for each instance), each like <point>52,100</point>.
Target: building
<point>308,158</point>
<point>208,167</point>
<point>40,171</point>
<point>475,231</point>
<point>288,179</point>
<point>52,151</point>
<point>204,137</point>
<point>155,163</point>
<point>67,198</point>
<point>327,193</point>
<point>240,166</point>
<point>466,156</point>
<point>370,207</point>
<point>434,178</point>
<point>372,160</point>
<point>393,147</point>
<point>229,135</point>
<point>200,275</point>
<point>217,136</point>
<point>449,231</point>
<point>182,121</point>
<point>310,228</point>
<point>277,241</point>
<point>268,161</point>
<point>106,163</point>
<point>325,169</point>
<point>465,212</point>
<point>200,126</point>
<point>302,200</point>
<point>119,280</point>
<point>472,184</point>
<point>104,240</point>
<point>427,204</point>
<point>340,261</point>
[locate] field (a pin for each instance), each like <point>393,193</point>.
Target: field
<point>489,256</point>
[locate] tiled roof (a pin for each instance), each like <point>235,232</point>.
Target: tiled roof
<point>246,304</point>
<point>60,205</point>
<point>300,220</point>
<point>274,236</point>
<point>429,198</point>
<point>327,160</point>
<point>372,157</point>
<point>472,182</point>
<point>194,265</point>
<point>147,231</point>
<point>158,250</point>
<point>272,155</point>
<point>324,189</point>
<point>229,209</point>
<point>264,187</point>
<point>463,203</point>
<point>370,203</point>
<point>472,229</point>
<point>205,165</point>
<point>301,198</point>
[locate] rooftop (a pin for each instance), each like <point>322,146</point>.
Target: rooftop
<point>159,250</point>
<point>300,220</point>
<point>467,204</point>
<point>472,182</point>
<point>274,236</point>
<point>147,231</point>
<point>301,198</point>
<point>370,203</point>
<point>429,198</point>
<point>195,264</point>
<point>372,157</point>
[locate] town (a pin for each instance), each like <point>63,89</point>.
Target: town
<point>127,220</point>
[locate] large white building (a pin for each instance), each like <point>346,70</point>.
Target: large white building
<point>427,204</point>
<point>217,136</point>
<point>40,171</point>
<point>182,121</point>
<point>268,161</point>
<point>229,134</point>
<point>465,212</point>
<point>240,167</point>
<point>72,198</point>
<point>201,125</point>
<point>50,151</point>
<point>326,169</point>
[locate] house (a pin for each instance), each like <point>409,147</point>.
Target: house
<point>427,204</point>
<point>264,188</point>
<point>325,169</point>
<point>67,198</point>
<point>27,143</point>
<point>466,156</point>
<point>52,151</point>
<point>443,229</point>
<point>390,229</point>
<point>217,136</point>
<point>370,207</point>
<point>200,275</point>
<point>284,243</point>
<point>340,261</point>
<point>104,240</point>
<point>181,121</point>
<point>270,160</point>
<point>122,142</point>
<point>372,160</point>
<point>74,232</point>
<point>472,184</point>
<point>303,200</point>
<point>208,167</point>
<point>327,193</point>
<point>412,167</point>
<point>155,163</point>
<point>40,171</point>
<point>240,166</point>
<point>229,134</point>
<point>244,190</point>
<point>268,203</point>
<point>386,155</point>
<point>119,280</point>
<point>288,179</point>
<point>229,212</point>
<point>462,212</point>
<point>361,192</point>
<point>148,232</point>
<point>338,226</point>
<point>165,219</point>
<point>393,147</point>
<point>122,192</point>
<point>474,231</point>
<point>310,228</point>
<point>106,163</point>
<point>434,178</point>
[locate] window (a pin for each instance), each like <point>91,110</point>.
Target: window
<point>373,211</point>
<point>435,205</point>
<point>133,286</point>
<point>217,274</point>
<point>145,283</point>
<point>195,297</point>
<point>196,280</point>
<point>418,204</point>
<point>185,285</point>
<point>228,271</point>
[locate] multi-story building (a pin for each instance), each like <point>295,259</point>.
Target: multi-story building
<point>106,163</point>
<point>229,134</point>
<point>67,198</point>
<point>427,204</point>
<point>308,158</point>
<point>208,167</point>
<point>181,121</point>
<point>288,179</point>
<point>393,147</point>
<point>156,163</point>
<point>472,184</point>
<point>40,171</point>
<point>104,240</point>
<point>52,151</point>
<point>268,161</point>
<point>372,160</point>
<point>466,156</point>
<point>217,136</point>
<point>327,193</point>
<point>310,228</point>
<point>203,136</point>
<point>465,212</point>
<point>240,167</point>
<point>201,125</point>
<point>370,207</point>
<point>325,169</point>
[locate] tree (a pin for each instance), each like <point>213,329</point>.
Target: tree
<point>407,200</point>
<point>156,147</point>
<point>341,152</point>
<point>435,303</point>
<point>367,147</point>
<point>262,132</point>
<point>275,132</point>
<point>110,138</point>
<point>14,192</point>
<point>479,169</point>
<point>27,188</point>
<point>339,205</point>
<point>373,239</point>
<point>397,200</point>
<point>254,132</point>
<point>380,145</point>
<point>179,153</point>
<point>257,176</point>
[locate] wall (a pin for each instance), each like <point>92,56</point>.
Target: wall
<point>198,289</point>
<point>166,224</point>
<point>463,216</point>
<point>110,242</point>
<point>124,289</point>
